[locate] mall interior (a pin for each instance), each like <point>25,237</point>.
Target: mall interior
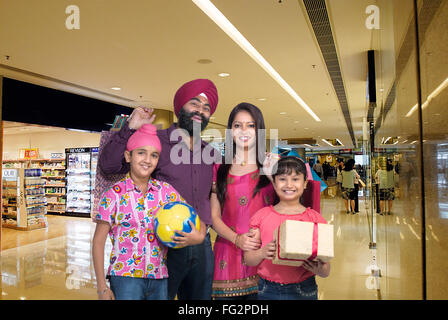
<point>335,79</point>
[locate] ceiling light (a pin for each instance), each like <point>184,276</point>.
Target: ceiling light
<point>339,142</point>
<point>116,88</point>
<point>412,110</point>
<point>431,96</point>
<point>204,61</point>
<point>282,112</point>
<point>324,140</point>
<point>223,74</point>
<point>261,99</point>
<point>213,13</point>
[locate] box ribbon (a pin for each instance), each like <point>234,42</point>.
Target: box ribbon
<point>313,248</point>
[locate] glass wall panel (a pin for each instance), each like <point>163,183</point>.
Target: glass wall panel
<point>396,160</point>
<point>433,23</point>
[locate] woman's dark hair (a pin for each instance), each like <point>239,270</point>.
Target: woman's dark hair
<point>349,165</point>
<point>389,165</point>
<point>287,165</point>
<point>223,171</point>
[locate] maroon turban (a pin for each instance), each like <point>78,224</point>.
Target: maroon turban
<point>194,88</point>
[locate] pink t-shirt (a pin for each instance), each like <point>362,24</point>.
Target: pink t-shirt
<point>136,251</point>
<point>267,220</point>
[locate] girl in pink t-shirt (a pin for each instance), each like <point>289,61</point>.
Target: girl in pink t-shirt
<point>279,282</point>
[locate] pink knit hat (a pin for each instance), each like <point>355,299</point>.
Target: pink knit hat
<point>194,88</point>
<point>145,136</point>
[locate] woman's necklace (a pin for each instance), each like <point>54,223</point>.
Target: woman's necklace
<point>238,161</point>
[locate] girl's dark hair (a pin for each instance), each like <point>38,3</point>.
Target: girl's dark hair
<point>287,165</point>
<point>223,171</point>
<point>349,165</point>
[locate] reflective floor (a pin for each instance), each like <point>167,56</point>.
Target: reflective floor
<point>56,263</point>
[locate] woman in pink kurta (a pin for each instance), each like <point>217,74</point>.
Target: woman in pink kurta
<point>232,277</point>
<point>239,190</point>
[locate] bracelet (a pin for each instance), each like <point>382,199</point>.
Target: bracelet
<point>236,239</point>
<point>104,291</point>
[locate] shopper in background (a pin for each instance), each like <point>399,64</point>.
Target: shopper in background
<point>386,181</point>
<point>356,191</point>
<point>339,167</point>
<point>137,269</point>
<point>239,190</point>
<point>190,268</point>
<point>279,282</point>
<point>326,168</point>
<point>318,169</point>
<point>348,185</point>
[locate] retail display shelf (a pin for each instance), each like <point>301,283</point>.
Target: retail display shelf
<point>23,201</point>
<point>53,175</point>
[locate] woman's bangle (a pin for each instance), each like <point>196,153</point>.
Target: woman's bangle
<point>103,291</point>
<point>236,239</point>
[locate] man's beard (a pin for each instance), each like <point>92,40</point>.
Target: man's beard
<point>186,122</point>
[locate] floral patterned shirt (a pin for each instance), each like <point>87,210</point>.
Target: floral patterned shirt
<point>136,251</point>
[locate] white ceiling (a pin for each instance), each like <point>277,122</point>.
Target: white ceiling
<point>150,47</point>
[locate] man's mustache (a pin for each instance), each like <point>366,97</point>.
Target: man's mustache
<point>196,113</point>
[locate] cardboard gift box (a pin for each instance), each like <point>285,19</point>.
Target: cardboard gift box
<point>297,241</point>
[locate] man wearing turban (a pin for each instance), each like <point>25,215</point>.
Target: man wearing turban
<point>190,268</point>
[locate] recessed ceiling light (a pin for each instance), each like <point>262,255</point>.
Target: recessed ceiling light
<point>282,112</point>
<point>204,61</point>
<point>223,74</point>
<point>261,99</point>
<point>116,88</point>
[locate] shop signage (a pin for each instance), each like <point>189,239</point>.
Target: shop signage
<point>56,155</point>
<point>78,150</point>
<point>10,174</point>
<point>29,153</point>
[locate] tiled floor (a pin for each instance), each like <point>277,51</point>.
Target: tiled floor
<point>56,263</point>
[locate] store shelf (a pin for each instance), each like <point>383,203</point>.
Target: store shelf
<point>24,188</point>
<point>81,168</point>
<point>53,170</point>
